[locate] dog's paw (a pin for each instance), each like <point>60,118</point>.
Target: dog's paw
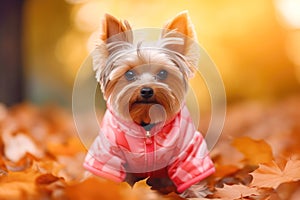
<point>131,179</point>
<point>161,185</point>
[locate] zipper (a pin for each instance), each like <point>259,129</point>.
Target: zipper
<point>148,138</point>
<point>149,153</point>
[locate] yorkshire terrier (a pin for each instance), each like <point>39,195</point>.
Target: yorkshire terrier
<point>147,131</point>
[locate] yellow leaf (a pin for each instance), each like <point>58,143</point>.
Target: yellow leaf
<point>255,151</point>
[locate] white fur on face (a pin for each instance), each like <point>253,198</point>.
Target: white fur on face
<point>146,64</point>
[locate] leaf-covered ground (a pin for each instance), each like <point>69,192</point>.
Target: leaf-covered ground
<point>257,156</point>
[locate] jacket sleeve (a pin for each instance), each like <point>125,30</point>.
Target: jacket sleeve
<point>192,165</point>
<point>105,159</point>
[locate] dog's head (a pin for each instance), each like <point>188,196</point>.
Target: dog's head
<point>146,84</point>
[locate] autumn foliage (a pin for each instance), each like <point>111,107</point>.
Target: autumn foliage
<point>257,156</point>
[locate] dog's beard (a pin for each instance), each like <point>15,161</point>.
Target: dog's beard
<point>162,107</point>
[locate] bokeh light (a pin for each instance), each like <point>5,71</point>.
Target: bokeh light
<point>250,42</point>
<point>289,16</point>
<point>289,11</point>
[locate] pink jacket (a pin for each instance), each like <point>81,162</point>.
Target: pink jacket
<point>177,147</point>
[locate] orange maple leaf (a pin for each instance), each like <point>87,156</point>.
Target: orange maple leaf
<point>230,192</point>
<point>18,185</point>
<point>271,176</point>
<point>255,151</point>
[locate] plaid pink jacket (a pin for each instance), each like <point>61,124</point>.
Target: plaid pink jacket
<point>177,147</point>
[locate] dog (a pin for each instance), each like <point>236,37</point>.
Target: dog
<point>147,131</point>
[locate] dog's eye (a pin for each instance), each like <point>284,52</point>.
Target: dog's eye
<point>162,74</point>
<point>130,75</point>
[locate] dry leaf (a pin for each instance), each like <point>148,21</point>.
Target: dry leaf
<point>289,190</point>
<point>16,146</point>
<point>22,164</point>
<point>255,151</point>
<point>71,147</point>
<point>296,194</point>
<point>231,192</point>
<point>58,173</point>
<point>225,170</point>
<point>270,175</point>
<point>49,185</point>
<point>94,188</point>
<point>17,185</point>
<point>241,176</point>
<point>72,167</point>
<point>47,166</point>
<point>3,168</point>
<point>141,191</point>
<point>46,179</point>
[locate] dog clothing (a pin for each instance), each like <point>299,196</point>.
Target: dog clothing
<point>175,150</point>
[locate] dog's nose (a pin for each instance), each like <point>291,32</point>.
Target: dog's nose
<point>146,92</point>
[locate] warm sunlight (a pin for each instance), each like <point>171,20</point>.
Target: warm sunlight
<point>289,11</point>
<point>289,16</point>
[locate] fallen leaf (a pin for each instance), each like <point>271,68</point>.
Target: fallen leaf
<point>289,190</point>
<point>93,188</point>
<point>255,151</point>
<point>48,186</point>
<point>71,147</point>
<point>270,175</point>
<point>59,174</point>
<point>296,194</point>
<point>16,146</point>
<point>17,185</point>
<point>46,179</point>
<point>47,166</point>
<point>241,176</point>
<point>72,168</point>
<point>225,170</point>
<point>3,168</point>
<point>230,192</point>
<point>22,164</point>
<point>142,191</point>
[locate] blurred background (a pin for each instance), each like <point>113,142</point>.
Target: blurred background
<point>255,44</point>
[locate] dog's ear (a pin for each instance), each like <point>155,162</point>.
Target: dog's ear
<point>115,30</point>
<point>181,27</point>
<point>113,33</point>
